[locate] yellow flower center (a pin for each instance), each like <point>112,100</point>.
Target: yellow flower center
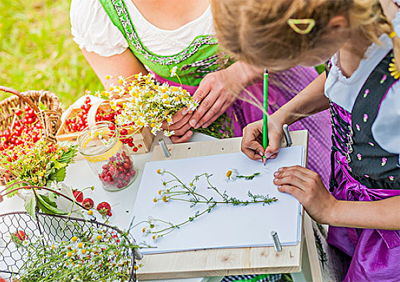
<point>229,173</point>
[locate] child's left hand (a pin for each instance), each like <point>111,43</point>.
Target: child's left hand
<point>307,187</point>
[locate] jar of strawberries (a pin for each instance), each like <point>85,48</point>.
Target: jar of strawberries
<point>101,146</point>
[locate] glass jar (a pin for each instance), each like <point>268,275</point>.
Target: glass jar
<point>107,156</point>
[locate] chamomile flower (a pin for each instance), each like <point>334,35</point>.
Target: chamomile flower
<point>173,71</point>
<point>169,133</point>
<point>231,174</point>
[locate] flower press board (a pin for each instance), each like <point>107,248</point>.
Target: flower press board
<point>230,239</point>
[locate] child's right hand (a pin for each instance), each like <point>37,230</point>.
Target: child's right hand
<point>252,139</point>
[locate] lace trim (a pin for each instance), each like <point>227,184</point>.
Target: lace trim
<point>124,18</point>
<point>369,52</point>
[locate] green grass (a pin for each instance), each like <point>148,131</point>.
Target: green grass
<point>37,51</point>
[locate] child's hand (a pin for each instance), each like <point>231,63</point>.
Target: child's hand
<point>307,187</point>
<point>252,140</point>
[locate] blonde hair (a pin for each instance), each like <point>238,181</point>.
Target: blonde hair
<point>257,31</point>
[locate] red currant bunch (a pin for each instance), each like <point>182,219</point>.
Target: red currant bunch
<point>24,132</point>
<point>79,122</point>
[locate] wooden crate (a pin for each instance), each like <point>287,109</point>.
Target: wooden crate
<point>142,140</point>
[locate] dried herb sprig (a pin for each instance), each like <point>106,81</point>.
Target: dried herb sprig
<point>176,190</point>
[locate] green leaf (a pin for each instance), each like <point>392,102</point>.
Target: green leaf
<point>67,157</point>
<point>49,207</point>
<point>9,189</point>
<point>58,165</point>
<point>49,169</point>
<point>30,205</point>
<point>52,196</point>
<point>47,200</point>
<point>60,174</point>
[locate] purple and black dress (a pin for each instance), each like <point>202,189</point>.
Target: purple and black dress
<point>364,171</point>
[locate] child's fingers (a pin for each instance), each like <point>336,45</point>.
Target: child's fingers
<point>253,150</point>
<point>292,190</point>
<point>293,179</point>
<point>274,140</point>
<point>250,145</point>
<point>297,168</point>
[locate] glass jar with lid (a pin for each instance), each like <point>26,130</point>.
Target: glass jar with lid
<point>101,146</point>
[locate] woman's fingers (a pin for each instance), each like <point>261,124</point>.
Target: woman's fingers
<point>179,122</point>
<point>182,139</point>
<point>203,108</point>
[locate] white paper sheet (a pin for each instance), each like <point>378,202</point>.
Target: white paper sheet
<point>226,226</point>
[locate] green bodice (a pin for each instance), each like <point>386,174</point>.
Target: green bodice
<point>193,63</point>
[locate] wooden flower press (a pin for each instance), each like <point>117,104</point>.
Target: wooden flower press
<point>301,260</point>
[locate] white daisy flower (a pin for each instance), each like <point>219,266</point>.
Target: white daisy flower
<point>169,133</point>
<point>173,71</point>
<point>232,174</point>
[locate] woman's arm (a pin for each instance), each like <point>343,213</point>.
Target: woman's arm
<point>125,64</point>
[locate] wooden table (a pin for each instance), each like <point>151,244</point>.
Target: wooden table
<point>162,267</point>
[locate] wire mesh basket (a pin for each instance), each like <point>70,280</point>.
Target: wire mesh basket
<point>48,229</point>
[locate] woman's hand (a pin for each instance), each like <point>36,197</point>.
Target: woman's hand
<point>253,135</point>
<point>219,90</point>
<point>216,92</point>
<point>307,187</point>
<point>180,126</point>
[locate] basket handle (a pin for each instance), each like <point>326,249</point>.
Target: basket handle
<point>22,96</point>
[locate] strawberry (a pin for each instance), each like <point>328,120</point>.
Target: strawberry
<point>88,203</point>
<point>104,209</point>
<point>78,195</point>
<point>20,236</point>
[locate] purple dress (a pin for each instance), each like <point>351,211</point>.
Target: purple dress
<point>364,171</point>
<point>283,87</point>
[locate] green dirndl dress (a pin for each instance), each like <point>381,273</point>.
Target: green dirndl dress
<point>200,58</point>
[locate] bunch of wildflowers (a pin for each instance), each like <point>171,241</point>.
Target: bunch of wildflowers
<point>98,254</point>
<point>146,103</point>
<point>40,163</point>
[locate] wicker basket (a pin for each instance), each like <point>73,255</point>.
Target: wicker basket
<point>50,118</point>
<point>142,139</point>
